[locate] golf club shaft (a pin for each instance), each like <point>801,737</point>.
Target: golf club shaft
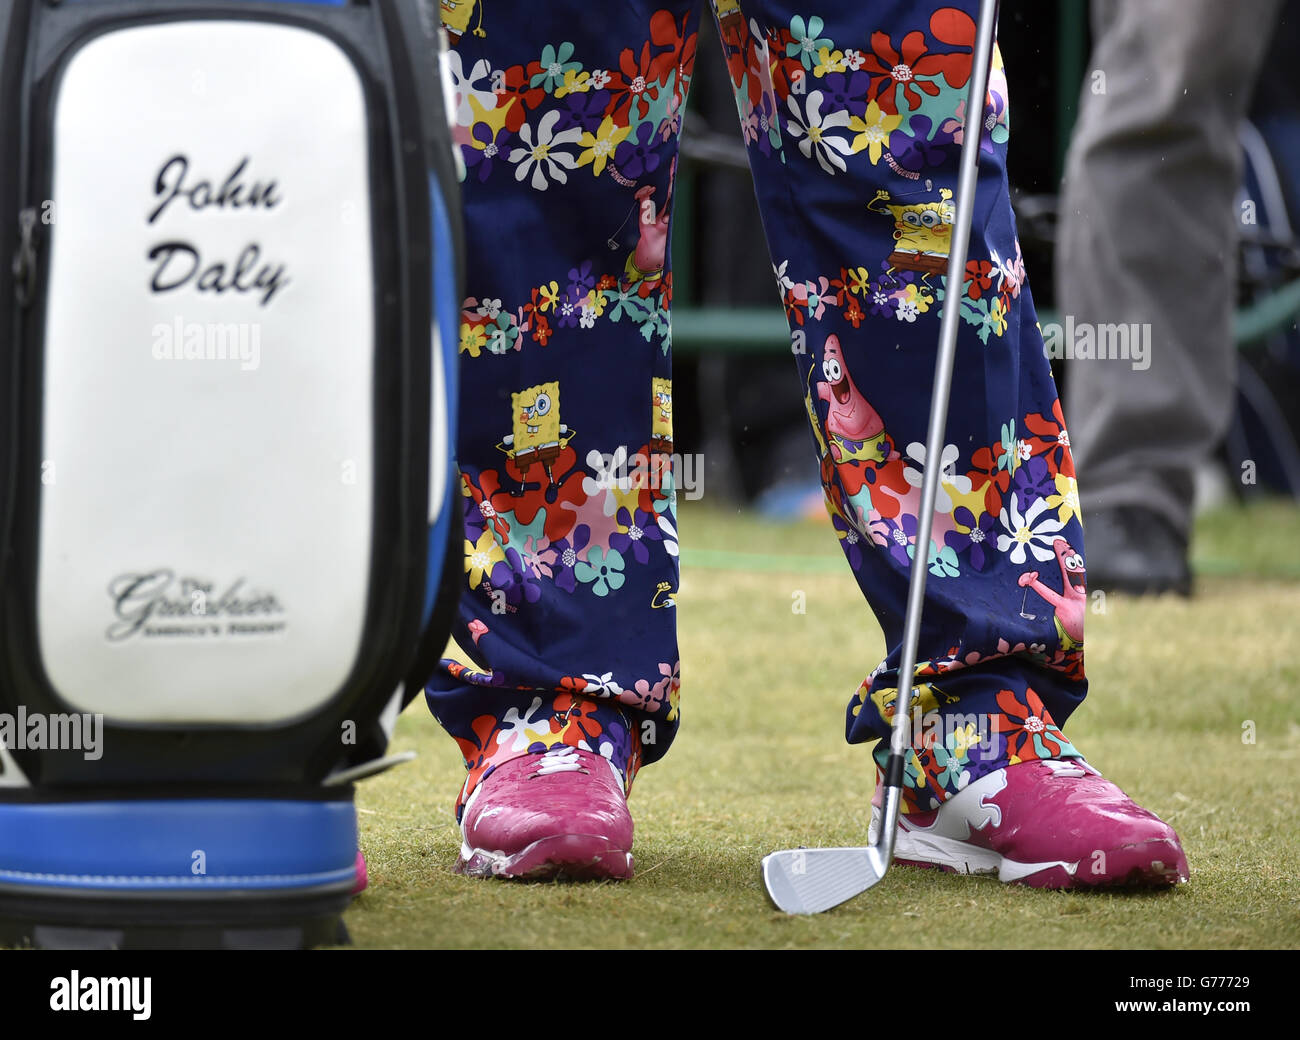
<point>964,206</point>
<point>809,881</point>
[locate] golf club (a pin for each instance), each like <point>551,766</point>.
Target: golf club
<point>808,881</point>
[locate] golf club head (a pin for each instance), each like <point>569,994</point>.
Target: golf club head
<point>808,881</point>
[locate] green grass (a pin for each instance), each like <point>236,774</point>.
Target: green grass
<point>761,764</point>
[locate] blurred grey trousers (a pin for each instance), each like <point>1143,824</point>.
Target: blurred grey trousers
<point>1148,235</point>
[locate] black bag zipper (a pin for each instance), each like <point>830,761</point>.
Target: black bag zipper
<point>24,265</point>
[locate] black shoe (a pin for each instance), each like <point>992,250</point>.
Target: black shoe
<point>1133,550</point>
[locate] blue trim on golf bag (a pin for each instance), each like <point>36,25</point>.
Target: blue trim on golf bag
<point>156,845</point>
<point>446,317</point>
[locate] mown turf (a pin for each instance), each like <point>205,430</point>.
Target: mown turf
<point>761,764</point>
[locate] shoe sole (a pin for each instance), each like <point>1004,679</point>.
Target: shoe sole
<point>578,857</point>
<point>1157,863</point>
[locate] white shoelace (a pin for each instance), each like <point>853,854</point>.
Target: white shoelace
<point>562,759</point>
<point>1065,767</point>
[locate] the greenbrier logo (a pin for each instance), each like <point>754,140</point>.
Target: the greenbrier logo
<point>159,603</point>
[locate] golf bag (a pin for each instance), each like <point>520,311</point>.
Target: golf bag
<point>227,361</point>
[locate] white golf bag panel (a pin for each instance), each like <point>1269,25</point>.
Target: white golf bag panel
<point>209,350</point>
<point>228,464</point>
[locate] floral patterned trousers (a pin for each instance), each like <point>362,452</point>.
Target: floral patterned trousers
<point>568,117</point>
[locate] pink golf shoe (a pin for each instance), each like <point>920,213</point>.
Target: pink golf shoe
<point>562,813</point>
<point>1046,824</point>
<point>363,875</point>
